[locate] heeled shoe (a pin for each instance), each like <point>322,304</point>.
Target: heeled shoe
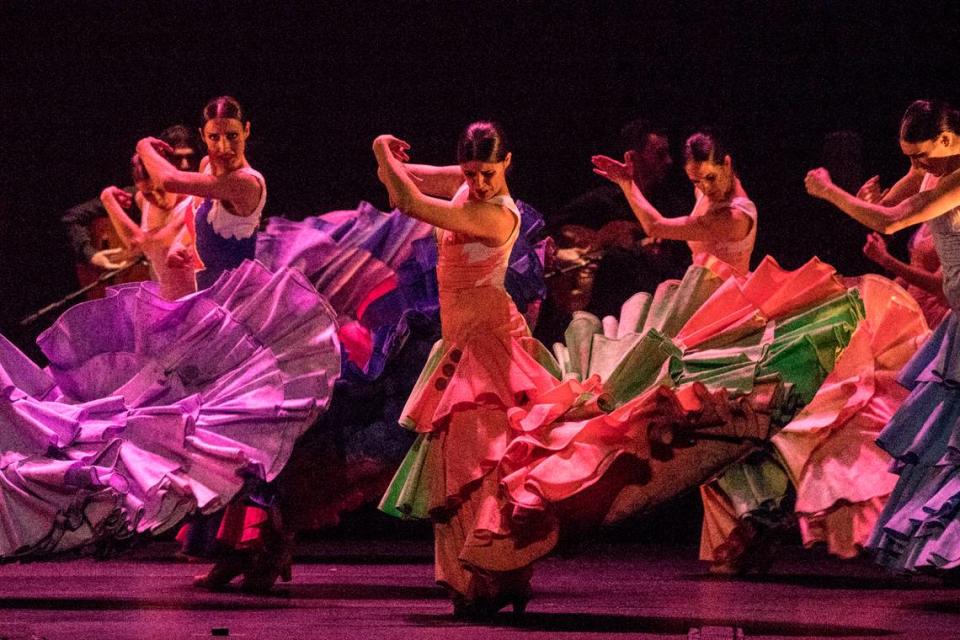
<point>272,564</point>
<point>222,573</point>
<point>486,609</point>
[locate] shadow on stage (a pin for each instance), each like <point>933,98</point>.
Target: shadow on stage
<point>612,623</point>
<point>819,581</point>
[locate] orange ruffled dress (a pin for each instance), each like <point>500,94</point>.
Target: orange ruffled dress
<point>485,363</point>
<point>510,439</point>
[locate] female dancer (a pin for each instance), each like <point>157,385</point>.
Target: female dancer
<point>477,224</point>
<point>219,236</point>
<point>164,407</point>
<point>921,276</point>
<point>163,218</point>
<point>723,222</point>
<point>233,193</point>
<point>917,527</point>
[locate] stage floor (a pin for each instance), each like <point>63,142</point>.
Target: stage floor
<point>371,590</point>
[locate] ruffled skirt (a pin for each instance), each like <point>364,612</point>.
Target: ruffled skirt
<point>629,414</point>
<point>920,526</point>
<point>152,409</point>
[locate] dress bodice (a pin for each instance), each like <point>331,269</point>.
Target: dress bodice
<point>736,253</point>
<point>174,281</point>
<point>945,230</point>
<point>225,240</point>
<point>470,276</point>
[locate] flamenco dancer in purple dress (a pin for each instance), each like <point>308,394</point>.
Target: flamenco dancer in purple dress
<point>152,409</point>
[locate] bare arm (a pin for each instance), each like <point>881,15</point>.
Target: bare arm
<point>918,208</point>
<point>725,224</point>
<point>239,188</point>
<point>489,223</point>
<point>129,232</point>
<point>930,281</point>
<point>903,188</point>
<point>719,225</point>
<point>442,182</point>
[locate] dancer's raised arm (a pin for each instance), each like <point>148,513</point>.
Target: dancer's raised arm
<point>930,281</point>
<point>474,217</point>
<point>721,224</point>
<point>723,221</point>
<point>225,133</point>
<point>916,209</point>
<point>116,201</point>
<point>929,138</point>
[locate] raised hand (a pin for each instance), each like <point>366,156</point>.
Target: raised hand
<point>124,199</point>
<point>619,173</point>
<point>870,191</point>
<point>876,249</point>
<point>818,183</point>
<point>388,144</point>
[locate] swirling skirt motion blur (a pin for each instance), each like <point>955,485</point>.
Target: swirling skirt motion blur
<point>687,382</point>
<point>152,409</point>
<point>378,270</point>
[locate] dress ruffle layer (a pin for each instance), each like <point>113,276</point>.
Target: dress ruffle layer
<point>686,382</point>
<point>152,409</point>
<point>375,268</point>
<point>841,476</point>
<point>920,525</point>
<point>827,453</point>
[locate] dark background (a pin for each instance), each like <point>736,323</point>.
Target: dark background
<point>82,81</point>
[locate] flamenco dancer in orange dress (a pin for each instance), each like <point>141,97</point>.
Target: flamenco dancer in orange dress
<point>482,363</point>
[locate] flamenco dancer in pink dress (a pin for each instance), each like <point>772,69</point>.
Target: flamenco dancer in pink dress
<point>824,448</point>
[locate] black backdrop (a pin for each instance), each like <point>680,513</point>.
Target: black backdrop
<point>82,81</point>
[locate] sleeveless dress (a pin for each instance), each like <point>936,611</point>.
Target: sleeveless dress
<point>514,444</point>
<point>923,254</point>
<point>152,409</point>
<point>225,240</point>
<point>919,528</point>
<point>735,253</point>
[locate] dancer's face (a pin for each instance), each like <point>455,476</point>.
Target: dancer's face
<point>938,156</point>
<point>714,180</point>
<point>226,140</point>
<point>486,179</point>
<point>156,195</point>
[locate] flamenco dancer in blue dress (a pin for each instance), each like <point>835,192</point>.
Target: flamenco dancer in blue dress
<point>919,528</point>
